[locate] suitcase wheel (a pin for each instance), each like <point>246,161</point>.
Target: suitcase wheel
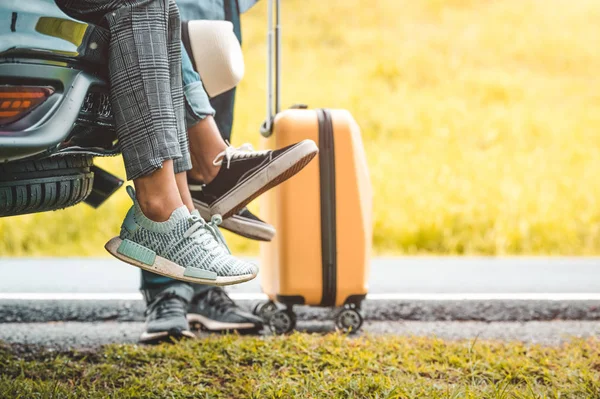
<point>282,321</point>
<point>349,320</point>
<point>265,310</point>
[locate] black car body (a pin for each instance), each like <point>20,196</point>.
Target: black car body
<point>55,112</point>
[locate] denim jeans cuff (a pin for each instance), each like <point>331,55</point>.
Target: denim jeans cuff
<point>197,104</point>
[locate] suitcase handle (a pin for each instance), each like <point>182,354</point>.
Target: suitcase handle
<point>273,62</point>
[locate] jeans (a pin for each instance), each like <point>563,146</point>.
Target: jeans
<point>197,105</point>
<point>224,103</point>
<point>196,98</point>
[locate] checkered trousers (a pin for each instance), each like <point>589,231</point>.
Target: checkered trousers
<point>145,78</point>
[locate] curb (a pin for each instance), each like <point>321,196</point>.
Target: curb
<point>42,311</point>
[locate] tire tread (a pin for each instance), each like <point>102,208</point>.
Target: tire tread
<point>33,193</point>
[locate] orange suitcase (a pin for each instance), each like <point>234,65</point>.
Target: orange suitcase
<point>320,255</point>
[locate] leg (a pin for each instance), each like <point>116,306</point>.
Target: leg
<point>146,118</point>
<point>194,115</point>
<point>152,282</point>
<point>157,193</point>
<point>143,56</point>
<point>205,140</point>
<point>145,102</point>
<point>224,103</point>
<point>224,179</point>
<point>174,48</point>
<point>224,106</point>
<point>206,144</point>
<point>166,310</point>
<point>183,164</point>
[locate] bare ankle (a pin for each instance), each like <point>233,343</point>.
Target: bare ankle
<point>204,171</point>
<point>158,209</point>
<point>206,144</point>
<point>211,173</point>
<point>157,193</point>
<point>184,190</point>
<point>195,175</point>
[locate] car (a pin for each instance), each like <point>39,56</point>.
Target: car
<point>55,110</point>
<point>55,106</point>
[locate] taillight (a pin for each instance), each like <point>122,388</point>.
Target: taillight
<point>18,101</point>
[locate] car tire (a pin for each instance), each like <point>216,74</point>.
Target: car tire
<point>44,184</point>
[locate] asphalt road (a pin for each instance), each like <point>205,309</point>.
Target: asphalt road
<point>74,335</point>
<point>409,288</point>
<point>93,302</point>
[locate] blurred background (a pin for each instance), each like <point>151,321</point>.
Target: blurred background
<point>480,120</point>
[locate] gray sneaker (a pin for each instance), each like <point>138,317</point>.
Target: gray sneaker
<point>214,311</point>
<point>184,247</point>
<point>165,314</point>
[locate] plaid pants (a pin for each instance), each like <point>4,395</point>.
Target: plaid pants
<point>145,78</point>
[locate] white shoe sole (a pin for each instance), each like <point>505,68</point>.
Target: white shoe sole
<point>213,325</point>
<point>166,268</point>
<point>163,335</point>
<point>278,171</point>
<point>239,225</point>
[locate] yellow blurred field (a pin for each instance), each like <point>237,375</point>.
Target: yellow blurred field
<point>480,119</point>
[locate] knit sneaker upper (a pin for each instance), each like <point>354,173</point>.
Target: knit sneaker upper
<point>185,239</point>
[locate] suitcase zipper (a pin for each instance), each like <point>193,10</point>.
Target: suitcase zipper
<point>328,207</point>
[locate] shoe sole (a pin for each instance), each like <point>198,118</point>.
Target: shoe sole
<point>215,326</point>
<point>239,225</point>
<point>164,336</point>
<point>166,268</point>
<point>284,167</point>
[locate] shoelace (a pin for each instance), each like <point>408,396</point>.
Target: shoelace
<point>207,234</point>
<point>218,299</point>
<point>166,304</point>
<point>244,151</point>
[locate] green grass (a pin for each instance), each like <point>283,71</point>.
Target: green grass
<point>480,120</point>
<point>309,366</point>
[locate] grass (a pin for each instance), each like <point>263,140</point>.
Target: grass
<point>309,366</point>
<point>479,118</point>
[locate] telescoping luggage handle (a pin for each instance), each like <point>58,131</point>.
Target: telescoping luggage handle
<point>273,62</point>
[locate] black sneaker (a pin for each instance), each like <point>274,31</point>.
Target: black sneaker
<point>243,223</point>
<point>165,314</point>
<point>212,310</point>
<point>248,225</point>
<point>245,174</point>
